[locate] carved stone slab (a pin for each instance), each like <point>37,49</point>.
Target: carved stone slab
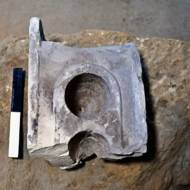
<point>84,101</point>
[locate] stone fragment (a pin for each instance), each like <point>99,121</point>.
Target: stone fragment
<point>84,101</point>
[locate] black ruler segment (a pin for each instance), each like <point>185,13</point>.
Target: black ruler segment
<point>17,90</point>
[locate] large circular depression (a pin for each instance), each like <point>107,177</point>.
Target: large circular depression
<point>87,96</point>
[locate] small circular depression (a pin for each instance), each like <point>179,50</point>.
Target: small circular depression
<point>87,96</point>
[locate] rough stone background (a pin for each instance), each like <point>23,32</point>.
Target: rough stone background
<point>166,68</point>
<point>163,18</point>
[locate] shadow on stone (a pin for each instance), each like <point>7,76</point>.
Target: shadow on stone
<point>150,116</point>
<point>83,162</point>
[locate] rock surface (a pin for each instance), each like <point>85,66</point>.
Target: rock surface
<point>167,87</point>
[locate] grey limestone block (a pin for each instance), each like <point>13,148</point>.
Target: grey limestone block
<point>84,101</point>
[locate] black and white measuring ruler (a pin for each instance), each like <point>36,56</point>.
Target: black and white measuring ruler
<point>16,112</point>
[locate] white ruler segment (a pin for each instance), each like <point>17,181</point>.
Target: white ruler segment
<point>14,135</point>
